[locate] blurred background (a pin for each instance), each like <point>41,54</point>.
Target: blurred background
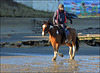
<point>26,16</point>
<point>37,8</point>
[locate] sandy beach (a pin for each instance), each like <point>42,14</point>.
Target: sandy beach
<point>39,59</point>
<point>44,64</point>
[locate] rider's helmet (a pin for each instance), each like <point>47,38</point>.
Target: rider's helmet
<point>61,7</point>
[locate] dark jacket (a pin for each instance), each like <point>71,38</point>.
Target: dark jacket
<point>60,17</point>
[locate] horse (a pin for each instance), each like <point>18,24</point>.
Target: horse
<point>55,38</point>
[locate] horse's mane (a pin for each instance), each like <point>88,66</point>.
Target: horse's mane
<point>50,23</point>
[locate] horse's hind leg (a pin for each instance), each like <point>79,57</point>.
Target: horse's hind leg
<point>70,49</point>
<point>74,49</point>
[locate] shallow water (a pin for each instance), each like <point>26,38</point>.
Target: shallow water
<point>48,50</point>
<point>44,63</point>
<point>38,59</point>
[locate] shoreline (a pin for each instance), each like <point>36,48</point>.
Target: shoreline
<point>48,50</point>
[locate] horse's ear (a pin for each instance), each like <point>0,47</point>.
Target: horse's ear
<point>44,22</point>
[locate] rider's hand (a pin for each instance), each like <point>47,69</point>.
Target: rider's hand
<point>56,21</point>
<point>71,22</point>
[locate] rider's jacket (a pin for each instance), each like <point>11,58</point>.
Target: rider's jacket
<point>60,17</point>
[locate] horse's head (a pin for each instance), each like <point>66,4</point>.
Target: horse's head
<point>45,28</point>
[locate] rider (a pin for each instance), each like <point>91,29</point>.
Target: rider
<point>60,19</point>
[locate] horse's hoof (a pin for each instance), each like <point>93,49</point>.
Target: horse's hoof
<point>61,55</point>
<point>71,58</point>
<point>54,59</point>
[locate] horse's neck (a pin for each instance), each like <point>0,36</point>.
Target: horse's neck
<point>52,32</point>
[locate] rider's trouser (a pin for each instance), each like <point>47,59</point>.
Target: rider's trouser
<point>63,26</point>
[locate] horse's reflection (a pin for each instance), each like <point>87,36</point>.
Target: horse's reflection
<point>73,65</point>
<point>66,66</point>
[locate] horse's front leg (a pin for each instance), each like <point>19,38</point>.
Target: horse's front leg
<point>55,56</point>
<point>59,54</point>
<point>55,52</point>
<point>56,47</point>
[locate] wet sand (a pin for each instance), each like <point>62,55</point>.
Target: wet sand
<point>38,59</point>
<point>44,64</point>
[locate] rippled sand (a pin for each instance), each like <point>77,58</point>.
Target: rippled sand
<point>43,63</point>
<point>39,59</point>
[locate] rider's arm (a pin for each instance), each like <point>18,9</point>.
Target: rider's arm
<point>69,18</point>
<point>54,17</point>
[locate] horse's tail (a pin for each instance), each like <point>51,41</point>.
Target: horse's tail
<point>77,44</point>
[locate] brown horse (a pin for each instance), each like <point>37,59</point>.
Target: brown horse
<point>56,38</point>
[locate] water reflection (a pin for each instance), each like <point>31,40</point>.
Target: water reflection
<point>66,65</point>
<point>73,65</point>
<point>80,64</point>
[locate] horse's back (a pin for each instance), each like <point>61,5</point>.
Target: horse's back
<point>71,29</point>
<point>72,32</point>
